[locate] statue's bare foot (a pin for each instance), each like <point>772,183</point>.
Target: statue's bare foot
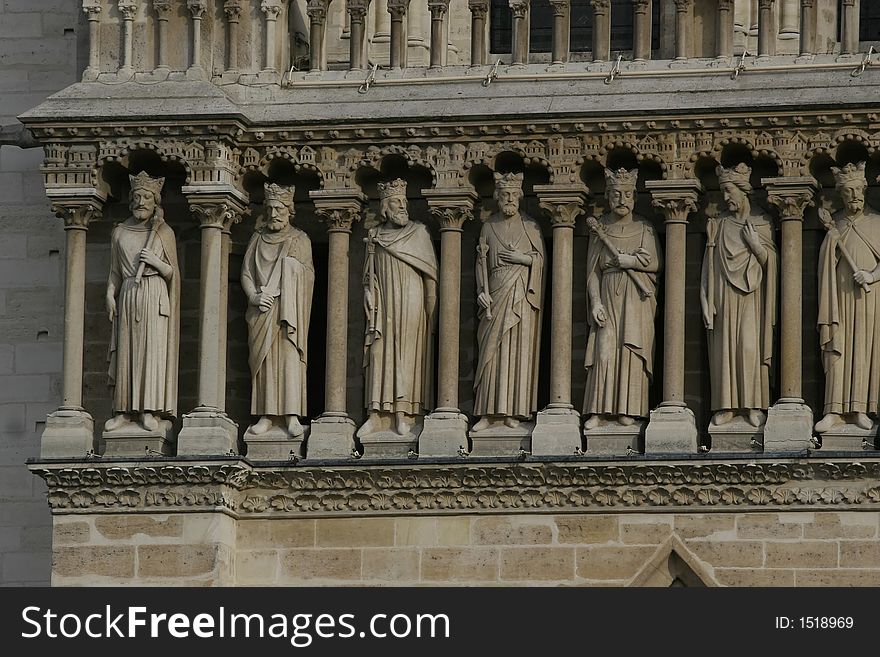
<point>402,426</point>
<point>756,417</point>
<point>262,426</point>
<point>625,420</point>
<point>828,422</point>
<point>592,422</point>
<point>722,417</point>
<point>367,428</point>
<point>862,421</point>
<point>511,422</point>
<point>294,428</point>
<point>149,422</point>
<point>115,422</point>
<point>481,425</point>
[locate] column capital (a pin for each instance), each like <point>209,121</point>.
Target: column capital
<point>271,8</point>
<point>564,203</point>
<point>560,7</point>
<point>128,8</point>
<point>849,3</point>
<point>519,8</point>
<point>768,4</point>
<point>438,7</point>
<point>791,196</point>
<point>357,8</point>
<point>317,9</point>
<point>479,8</point>
<point>808,4</point>
<point>676,198</point>
<point>78,207</point>
<point>339,208</point>
<point>232,9</point>
<point>92,8</point>
<point>197,7</point>
<point>451,207</point>
<point>641,6</point>
<point>725,5</point>
<point>682,6</point>
<point>216,206</point>
<point>398,8</point>
<point>600,6</point>
<point>162,9</point>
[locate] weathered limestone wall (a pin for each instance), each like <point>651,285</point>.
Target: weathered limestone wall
<point>39,47</point>
<point>730,549</point>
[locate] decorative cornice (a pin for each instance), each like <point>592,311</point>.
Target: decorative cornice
<point>468,487</point>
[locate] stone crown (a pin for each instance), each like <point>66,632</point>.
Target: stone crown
<point>621,178</point>
<point>738,175</point>
<point>849,174</point>
<point>144,181</point>
<point>393,188</point>
<point>275,192</point>
<point>508,180</point>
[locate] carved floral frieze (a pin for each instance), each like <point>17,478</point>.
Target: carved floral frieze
<point>242,489</point>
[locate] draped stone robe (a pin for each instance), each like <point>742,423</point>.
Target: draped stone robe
<point>506,381</point>
<point>398,351</point>
<point>620,355</point>
<point>145,334</point>
<point>281,265</point>
<point>738,295</point>
<point>849,319</point>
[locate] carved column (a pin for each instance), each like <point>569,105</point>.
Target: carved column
<point>439,11</point>
<point>559,50</point>
<point>232,9</point>
<point>417,49</point>
<point>682,27</point>
<point>672,428</point>
<point>207,430</point>
<point>849,28</point>
<point>197,8</point>
<point>445,430</point>
<point>163,13</point>
<point>70,429</point>
<point>601,30</point>
<point>271,9</point>
<point>479,46</point>
<point>790,421</point>
<point>808,27</point>
<point>317,11</point>
<point>397,9</point>
<point>642,17</point>
<point>520,46</point>
<point>127,9</point>
<point>766,36</point>
<point>741,24</point>
<point>92,9</point>
<point>357,12</point>
<point>558,427</point>
<point>789,20</point>
<point>332,434</point>
<point>724,29</point>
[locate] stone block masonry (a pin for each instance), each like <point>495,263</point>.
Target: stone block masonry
<point>38,56</point>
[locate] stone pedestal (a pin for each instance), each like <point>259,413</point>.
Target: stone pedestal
<point>613,439</point>
<point>276,444</point>
<point>738,435</point>
<point>557,433</point>
<point>501,440</point>
<point>67,434</point>
<point>443,434</point>
<point>331,437</point>
<point>387,443</point>
<point>671,430</point>
<point>789,426</point>
<point>849,438</point>
<point>133,440</point>
<point>207,434</point>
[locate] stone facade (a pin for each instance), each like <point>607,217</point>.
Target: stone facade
<point>785,512</point>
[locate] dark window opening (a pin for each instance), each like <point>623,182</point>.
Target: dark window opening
<point>869,21</point>
<point>581,31</point>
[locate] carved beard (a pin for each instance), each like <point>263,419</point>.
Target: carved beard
<point>622,209</point>
<point>509,209</point>
<point>277,224</point>
<point>142,212</point>
<point>399,218</point>
<point>855,206</point>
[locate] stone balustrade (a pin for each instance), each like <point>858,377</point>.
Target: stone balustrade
<point>261,41</point>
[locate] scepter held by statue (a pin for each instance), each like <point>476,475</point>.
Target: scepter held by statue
<point>828,222</point>
<point>599,232</point>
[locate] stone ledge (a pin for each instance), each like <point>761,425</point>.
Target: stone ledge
<point>240,489</point>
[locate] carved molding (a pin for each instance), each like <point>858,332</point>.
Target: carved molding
<point>479,8</point>
<point>725,5</point>
<point>128,9</point>
<point>791,196</point>
<point>452,218</point>
<point>519,8</point>
<point>560,7</point>
<point>162,9</point>
<point>197,8</point>
<point>92,9</point>
<point>641,6</point>
<point>271,9</point>
<point>77,215</point>
<point>682,6</point>
<point>600,7</point>
<point>232,9</point>
<point>470,487</point>
<point>220,214</point>
<point>339,220</point>
<point>438,8</point>
<point>357,9</point>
